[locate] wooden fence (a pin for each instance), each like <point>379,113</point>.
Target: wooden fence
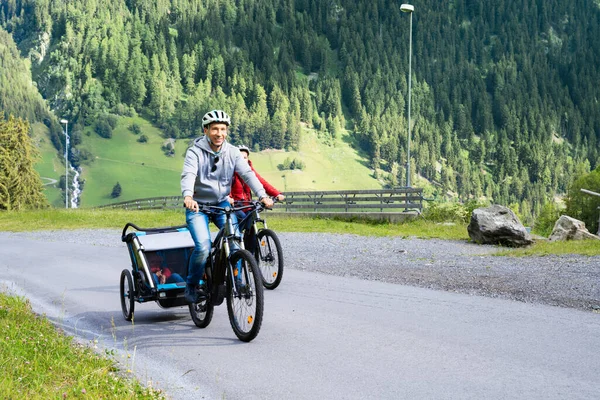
<point>386,204</point>
<point>151,203</point>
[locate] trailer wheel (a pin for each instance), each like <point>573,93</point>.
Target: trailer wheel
<point>127,295</point>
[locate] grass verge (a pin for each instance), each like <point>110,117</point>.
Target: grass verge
<point>542,248</point>
<point>39,362</point>
<point>55,219</point>
<point>421,228</point>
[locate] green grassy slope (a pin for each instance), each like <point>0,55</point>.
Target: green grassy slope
<point>50,166</point>
<point>336,167</point>
<point>143,170</point>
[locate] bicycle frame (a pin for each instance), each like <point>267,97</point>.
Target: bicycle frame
<point>221,248</point>
<point>254,215</point>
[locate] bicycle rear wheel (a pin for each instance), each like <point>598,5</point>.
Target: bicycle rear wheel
<point>245,300</point>
<point>270,258</point>
<point>202,312</point>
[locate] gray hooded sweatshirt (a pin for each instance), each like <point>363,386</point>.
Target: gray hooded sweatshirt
<point>208,187</point>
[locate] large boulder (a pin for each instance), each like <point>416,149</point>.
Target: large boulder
<point>498,225</point>
<point>567,228</point>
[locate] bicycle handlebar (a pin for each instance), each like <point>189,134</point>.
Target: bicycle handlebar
<point>228,209</point>
<point>238,205</point>
<point>256,204</point>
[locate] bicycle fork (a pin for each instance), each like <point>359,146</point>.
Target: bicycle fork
<point>232,273</point>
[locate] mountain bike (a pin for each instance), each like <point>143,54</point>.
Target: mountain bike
<point>263,243</point>
<point>233,275</point>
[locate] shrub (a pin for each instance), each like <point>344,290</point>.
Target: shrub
<point>143,138</point>
<point>168,149</point>
<point>135,128</point>
<point>472,205</point>
<point>112,120</point>
<point>287,163</point>
<point>125,110</point>
<point>103,129</point>
<point>544,224</point>
<point>446,212</point>
<point>292,164</point>
<point>116,191</point>
<point>584,206</point>
<point>298,164</point>
<point>81,156</point>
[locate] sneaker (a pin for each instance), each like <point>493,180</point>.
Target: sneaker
<point>195,293</point>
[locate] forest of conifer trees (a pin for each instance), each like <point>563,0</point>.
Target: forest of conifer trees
<point>505,96</point>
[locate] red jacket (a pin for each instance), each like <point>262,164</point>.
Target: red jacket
<point>241,191</point>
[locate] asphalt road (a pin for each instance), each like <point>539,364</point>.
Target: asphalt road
<point>323,336</point>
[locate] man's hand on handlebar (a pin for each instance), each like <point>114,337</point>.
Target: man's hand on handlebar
<point>191,204</point>
<point>267,202</point>
<point>280,197</point>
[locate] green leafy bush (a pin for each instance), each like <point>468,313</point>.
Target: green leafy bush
<point>445,212</point>
<point>290,164</point>
<point>584,206</point>
<point>168,149</point>
<point>135,128</point>
<point>544,224</point>
<point>451,211</point>
<point>103,129</point>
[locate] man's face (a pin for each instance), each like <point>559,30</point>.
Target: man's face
<point>217,133</point>
<point>245,155</point>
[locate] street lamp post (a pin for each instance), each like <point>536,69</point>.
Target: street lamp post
<point>408,8</point>
<point>64,121</point>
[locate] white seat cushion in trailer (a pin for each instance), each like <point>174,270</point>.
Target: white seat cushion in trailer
<point>167,240</point>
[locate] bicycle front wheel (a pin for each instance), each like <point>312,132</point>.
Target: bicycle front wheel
<point>270,258</point>
<point>245,300</point>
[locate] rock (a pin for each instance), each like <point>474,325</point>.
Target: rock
<point>567,228</point>
<point>498,225</point>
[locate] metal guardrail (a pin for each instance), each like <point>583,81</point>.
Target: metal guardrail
<point>339,201</point>
<point>355,201</point>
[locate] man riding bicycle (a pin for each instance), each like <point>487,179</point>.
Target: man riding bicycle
<point>206,179</point>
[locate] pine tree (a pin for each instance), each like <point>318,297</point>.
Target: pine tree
<point>20,185</point>
<point>116,191</point>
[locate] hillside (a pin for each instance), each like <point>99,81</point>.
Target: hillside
<point>143,169</point>
<point>504,97</point>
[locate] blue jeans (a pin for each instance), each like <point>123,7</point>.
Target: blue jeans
<point>174,278</point>
<point>240,216</point>
<point>197,223</point>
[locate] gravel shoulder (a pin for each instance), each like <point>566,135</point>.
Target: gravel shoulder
<point>455,266</point>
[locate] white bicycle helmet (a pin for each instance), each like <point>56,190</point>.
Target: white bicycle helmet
<point>244,148</point>
<point>215,116</point>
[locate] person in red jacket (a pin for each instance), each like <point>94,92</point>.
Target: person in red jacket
<point>240,191</point>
